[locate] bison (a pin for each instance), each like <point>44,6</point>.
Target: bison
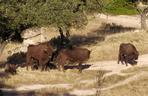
<point>41,53</point>
<point>11,68</point>
<point>127,53</point>
<point>75,54</point>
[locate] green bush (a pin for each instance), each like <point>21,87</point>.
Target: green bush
<point>120,7</point>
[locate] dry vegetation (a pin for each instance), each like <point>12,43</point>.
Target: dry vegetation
<point>52,77</point>
<point>134,88</point>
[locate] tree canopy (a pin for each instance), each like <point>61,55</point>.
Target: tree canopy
<point>18,15</point>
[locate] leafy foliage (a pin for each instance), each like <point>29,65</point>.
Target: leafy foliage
<point>18,15</point>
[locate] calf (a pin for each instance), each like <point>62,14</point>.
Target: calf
<point>11,68</point>
<point>75,54</point>
<point>127,53</point>
<point>41,53</point>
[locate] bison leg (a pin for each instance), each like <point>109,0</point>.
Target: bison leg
<point>61,66</point>
<point>28,61</point>
<point>119,58</point>
<point>35,64</point>
<point>126,60</point>
<point>80,67</point>
<point>61,60</point>
<point>44,65</point>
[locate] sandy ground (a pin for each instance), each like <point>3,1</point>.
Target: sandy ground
<point>114,68</point>
<point>124,20</point>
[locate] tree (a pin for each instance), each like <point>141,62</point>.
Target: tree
<point>143,9</point>
<point>18,15</point>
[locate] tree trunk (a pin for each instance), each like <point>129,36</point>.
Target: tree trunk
<point>143,19</point>
<point>2,46</point>
<point>67,33</point>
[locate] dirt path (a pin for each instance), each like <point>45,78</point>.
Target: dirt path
<point>115,68</point>
<point>93,91</point>
<point>124,20</point>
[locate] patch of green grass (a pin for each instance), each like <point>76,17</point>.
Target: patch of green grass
<point>120,7</point>
<point>121,11</point>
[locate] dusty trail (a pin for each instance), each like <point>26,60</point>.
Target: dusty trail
<point>124,20</point>
<point>114,68</point>
<point>117,68</point>
<point>93,91</point>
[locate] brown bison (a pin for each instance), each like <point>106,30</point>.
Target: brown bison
<point>41,53</point>
<point>75,54</point>
<point>11,68</point>
<point>127,53</point>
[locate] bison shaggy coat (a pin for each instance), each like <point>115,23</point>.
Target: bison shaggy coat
<point>127,53</point>
<point>41,53</point>
<point>75,54</point>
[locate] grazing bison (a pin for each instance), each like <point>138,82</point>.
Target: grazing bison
<point>11,68</point>
<point>41,53</point>
<point>75,54</point>
<point>127,53</point>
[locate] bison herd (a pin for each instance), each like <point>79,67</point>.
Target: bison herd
<point>42,55</point>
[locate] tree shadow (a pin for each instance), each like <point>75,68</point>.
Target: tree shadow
<point>15,93</point>
<point>108,29</point>
<point>99,34</point>
<point>86,40</point>
<point>17,58</point>
<point>76,66</point>
<point>31,93</point>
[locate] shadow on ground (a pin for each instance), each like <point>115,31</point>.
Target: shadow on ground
<point>31,93</point>
<point>107,29</point>
<point>99,34</point>
<point>76,66</point>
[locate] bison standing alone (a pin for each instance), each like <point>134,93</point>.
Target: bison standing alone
<point>74,54</point>
<point>127,53</point>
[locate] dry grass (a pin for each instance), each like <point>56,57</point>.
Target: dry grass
<point>52,77</point>
<point>135,69</point>
<point>108,49</point>
<point>138,87</point>
<point>113,79</point>
<point>135,88</point>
